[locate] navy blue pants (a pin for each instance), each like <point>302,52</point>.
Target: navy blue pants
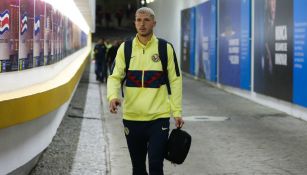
<point>100,71</point>
<point>147,137</point>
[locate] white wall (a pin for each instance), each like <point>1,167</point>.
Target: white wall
<point>21,143</point>
<point>168,18</point>
<point>37,75</point>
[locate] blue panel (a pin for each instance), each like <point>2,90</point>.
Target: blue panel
<point>205,55</point>
<point>192,40</point>
<point>229,42</point>
<point>245,60</point>
<point>185,40</point>
<point>234,43</point>
<point>213,40</point>
<point>300,52</point>
<point>273,49</point>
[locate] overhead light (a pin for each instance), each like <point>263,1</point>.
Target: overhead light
<point>73,13</point>
<point>149,1</point>
<point>142,2</point>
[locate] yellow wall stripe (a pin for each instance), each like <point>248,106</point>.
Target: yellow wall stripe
<point>25,108</point>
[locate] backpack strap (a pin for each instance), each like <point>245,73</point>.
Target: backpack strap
<point>162,48</point>
<point>127,52</point>
<point>176,62</point>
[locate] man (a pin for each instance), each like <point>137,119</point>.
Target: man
<point>267,62</point>
<point>112,54</point>
<point>100,60</point>
<point>270,35</point>
<point>147,107</point>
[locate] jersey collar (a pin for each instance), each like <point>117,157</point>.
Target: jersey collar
<point>152,40</point>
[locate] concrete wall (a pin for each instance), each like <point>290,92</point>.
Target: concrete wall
<point>168,19</point>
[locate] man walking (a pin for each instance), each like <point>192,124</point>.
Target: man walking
<point>100,60</point>
<point>147,106</point>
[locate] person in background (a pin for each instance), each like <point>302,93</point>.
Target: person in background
<point>119,16</point>
<point>108,19</point>
<point>100,60</point>
<point>112,54</point>
<point>147,106</point>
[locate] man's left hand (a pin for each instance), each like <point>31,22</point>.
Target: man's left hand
<point>178,122</point>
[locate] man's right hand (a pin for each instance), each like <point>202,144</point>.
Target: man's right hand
<point>113,105</point>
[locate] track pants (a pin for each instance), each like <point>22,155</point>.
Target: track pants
<point>147,137</point>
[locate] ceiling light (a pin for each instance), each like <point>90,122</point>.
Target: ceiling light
<point>73,13</point>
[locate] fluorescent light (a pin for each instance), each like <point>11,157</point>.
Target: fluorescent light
<point>149,1</point>
<point>70,9</point>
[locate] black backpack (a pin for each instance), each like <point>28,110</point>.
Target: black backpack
<point>162,49</point>
<point>178,146</point>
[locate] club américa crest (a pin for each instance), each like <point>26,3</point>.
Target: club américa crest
<point>155,57</point>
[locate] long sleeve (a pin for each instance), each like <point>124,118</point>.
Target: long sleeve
<point>175,79</point>
<point>114,80</point>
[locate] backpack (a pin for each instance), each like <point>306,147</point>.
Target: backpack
<point>162,49</point>
<point>178,146</point>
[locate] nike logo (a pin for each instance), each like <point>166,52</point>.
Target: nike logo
<point>163,129</point>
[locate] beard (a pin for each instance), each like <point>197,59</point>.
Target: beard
<point>145,34</point>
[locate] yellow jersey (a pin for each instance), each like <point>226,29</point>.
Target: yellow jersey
<point>146,96</point>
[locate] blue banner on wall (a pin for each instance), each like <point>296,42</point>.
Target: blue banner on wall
<point>300,52</point>
<point>234,44</point>
<point>273,51</point>
<point>245,55</point>
<point>188,40</point>
<point>192,41</point>
<point>205,55</point>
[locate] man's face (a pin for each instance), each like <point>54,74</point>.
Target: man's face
<point>144,24</point>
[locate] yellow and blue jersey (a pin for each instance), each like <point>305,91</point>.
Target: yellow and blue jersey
<point>146,96</point>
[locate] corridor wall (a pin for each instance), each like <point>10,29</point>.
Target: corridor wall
<point>300,53</point>
<point>234,43</point>
<point>33,33</point>
<point>280,50</point>
<point>188,40</point>
<point>43,53</point>
<point>260,47</point>
<point>205,41</point>
<point>168,19</point>
<point>273,38</point>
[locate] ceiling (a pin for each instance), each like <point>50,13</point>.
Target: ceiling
<point>87,9</point>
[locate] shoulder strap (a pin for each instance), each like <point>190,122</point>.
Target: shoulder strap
<point>176,62</point>
<point>127,52</point>
<point>162,48</point>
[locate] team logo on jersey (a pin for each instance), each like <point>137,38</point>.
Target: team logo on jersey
<point>37,25</point>
<point>4,21</point>
<point>24,23</point>
<point>126,130</point>
<point>155,58</point>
